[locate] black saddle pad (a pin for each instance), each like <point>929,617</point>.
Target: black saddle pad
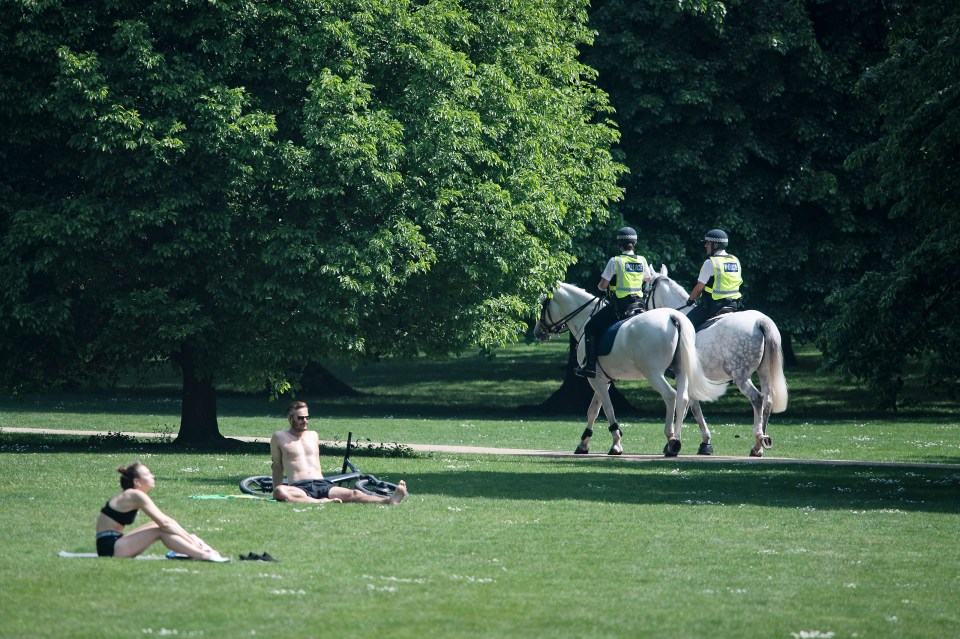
<point>606,340</point>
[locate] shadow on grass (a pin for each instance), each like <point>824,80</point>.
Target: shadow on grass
<point>777,486</point>
<point>795,486</point>
<point>646,404</point>
<point>121,443</point>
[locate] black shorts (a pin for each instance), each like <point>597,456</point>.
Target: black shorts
<point>316,488</point>
<point>106,541</point>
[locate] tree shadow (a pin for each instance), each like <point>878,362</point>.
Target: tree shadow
<point>771,485</point>
<point>660,482</point>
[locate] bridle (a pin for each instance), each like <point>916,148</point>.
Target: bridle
<point>549,327</point>
<point>652,289</point>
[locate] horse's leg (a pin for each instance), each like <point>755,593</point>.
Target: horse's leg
<point>669,395</point>
<point>706,445</point>
<point>766,408</point>
<point>592,411</point>
<point>601,388</point>
<point>745,384</point>
<point>681,401</point>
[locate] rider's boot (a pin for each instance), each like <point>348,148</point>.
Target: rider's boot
<point>589,368</point>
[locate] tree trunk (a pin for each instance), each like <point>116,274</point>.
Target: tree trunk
<point>318,381</point>
<point>574,395</point>
<point>198,408</point>
<point>789,357</point>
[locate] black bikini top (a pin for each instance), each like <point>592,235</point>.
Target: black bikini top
<point>124,519</point>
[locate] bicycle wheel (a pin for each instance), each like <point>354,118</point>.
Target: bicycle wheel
<point>257,485</point>
<point>373,486</point>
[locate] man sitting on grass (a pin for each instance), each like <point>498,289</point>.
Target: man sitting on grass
<point>295,452</point>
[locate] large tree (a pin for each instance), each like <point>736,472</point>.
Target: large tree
<point>740,115</point>
<point>905,309</point>
<point>238,188</point>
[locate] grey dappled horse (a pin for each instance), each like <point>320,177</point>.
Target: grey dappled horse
<point>732,348</point>
<point>644,347</point>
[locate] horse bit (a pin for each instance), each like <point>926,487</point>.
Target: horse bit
<point>551,328</point>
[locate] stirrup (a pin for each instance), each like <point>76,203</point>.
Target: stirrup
<point>583,371</point>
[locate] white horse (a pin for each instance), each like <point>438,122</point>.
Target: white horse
<point>733,347</point>
<point>644,347</point>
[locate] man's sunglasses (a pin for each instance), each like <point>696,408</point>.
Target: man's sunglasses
<point>302,418</point>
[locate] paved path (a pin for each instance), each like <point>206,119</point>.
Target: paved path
<point>525,452</point>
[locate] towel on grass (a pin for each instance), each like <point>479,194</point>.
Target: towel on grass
<point>89,555</point>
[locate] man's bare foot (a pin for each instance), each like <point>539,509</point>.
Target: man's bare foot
<point>399,494</point>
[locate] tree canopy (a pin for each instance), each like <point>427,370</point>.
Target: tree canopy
<point>822,137</point>
<point>740,115</point>
<point>905,307</point>
<point>241,187</point>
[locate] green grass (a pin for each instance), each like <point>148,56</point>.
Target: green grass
<point>476,401</point>
<point>498,546</point>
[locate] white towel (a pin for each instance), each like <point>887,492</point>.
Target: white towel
<point>87,555</point>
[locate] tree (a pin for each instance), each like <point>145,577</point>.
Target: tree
<point>740,115</point>
<point>906,308</point>
<point>239,188</point>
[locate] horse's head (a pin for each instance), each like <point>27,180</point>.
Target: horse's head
<point>562,306</point>
<point>545,327</point>
<point>663,292</point>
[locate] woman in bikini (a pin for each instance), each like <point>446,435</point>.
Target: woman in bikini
<point>136,480</point>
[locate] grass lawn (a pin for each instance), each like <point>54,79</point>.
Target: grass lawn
<point>493,546</point>
<point>475,401</point>
<point>497,546</point>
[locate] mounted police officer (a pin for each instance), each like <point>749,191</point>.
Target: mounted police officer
<point>720,277</point>
<point>622,279</point>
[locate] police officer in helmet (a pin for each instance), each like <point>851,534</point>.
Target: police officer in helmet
<point>720,277</point>
<point>623,277</point>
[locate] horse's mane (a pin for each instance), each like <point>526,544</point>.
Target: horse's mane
<point>574,287</point>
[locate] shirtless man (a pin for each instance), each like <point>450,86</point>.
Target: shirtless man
<point>296,453</point>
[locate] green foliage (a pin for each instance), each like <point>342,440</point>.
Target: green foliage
<point>241,187</point>
<point>740,115</point>
<point>907,309</point>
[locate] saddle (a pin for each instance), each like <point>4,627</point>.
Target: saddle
<point>716,318</point>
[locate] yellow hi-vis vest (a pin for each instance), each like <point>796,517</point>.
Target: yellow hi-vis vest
<point>629,276</point>
<point>726,278</point>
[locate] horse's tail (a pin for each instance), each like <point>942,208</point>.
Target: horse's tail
<point>773,360</point>
<point>700,387</point>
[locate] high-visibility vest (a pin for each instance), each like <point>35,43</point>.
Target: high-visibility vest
<point>726,278</point>
<point>629,276</point>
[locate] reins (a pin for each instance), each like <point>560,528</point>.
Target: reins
<point>555,328</point>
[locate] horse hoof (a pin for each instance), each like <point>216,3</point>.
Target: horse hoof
<point>705,449</point>
<point>756,452</point>
<point>766,442</point>
<point>672,449</point>
<point>614,451</point>
<point>581,450</point>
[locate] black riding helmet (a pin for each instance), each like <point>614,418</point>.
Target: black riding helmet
<point>716,236</point>
<point>626,235</point>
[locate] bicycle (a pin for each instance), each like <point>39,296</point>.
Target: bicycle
<point>349,477</point>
